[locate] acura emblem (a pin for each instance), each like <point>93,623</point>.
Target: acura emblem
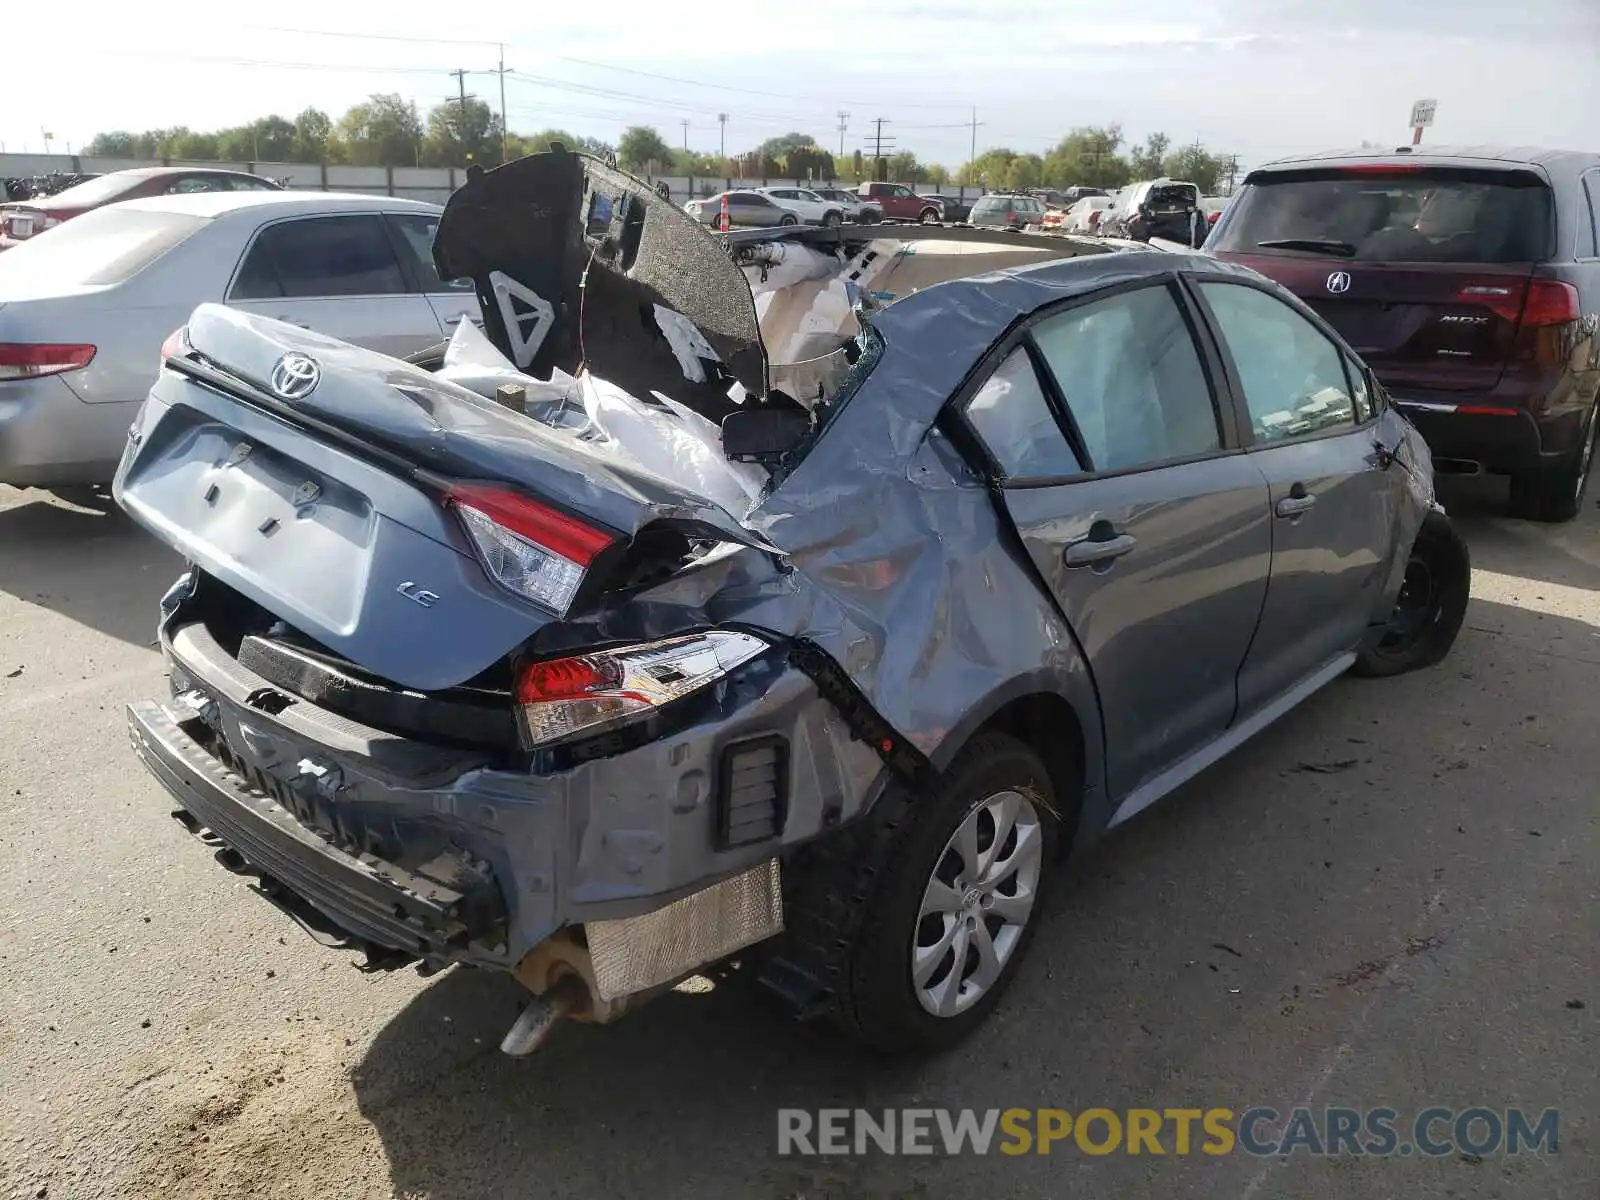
<point>1338,282</point>
<point>295,376</point>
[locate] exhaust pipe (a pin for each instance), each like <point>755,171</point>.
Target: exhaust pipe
<point>538,1021</point>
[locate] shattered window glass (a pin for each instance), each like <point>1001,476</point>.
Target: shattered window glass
<point>1013,419</point>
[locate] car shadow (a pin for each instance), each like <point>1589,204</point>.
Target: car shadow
<point>1194,954</point>
<point>1568,554</point>
<point>88,562</point>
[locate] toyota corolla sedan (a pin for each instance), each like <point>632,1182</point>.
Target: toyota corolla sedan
<point>643,631</point>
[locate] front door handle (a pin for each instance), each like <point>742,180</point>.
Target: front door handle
<point>460,317</point>
<point>1295,503</point>
<point>1089,552</point>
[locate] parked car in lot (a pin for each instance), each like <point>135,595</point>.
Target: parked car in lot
<point>809,206</point>
<point>1469,279</point>
<point>1213,208</point>
<point>951,208</point>
<point>863,212</point>
<point>84,312</point>
<point>901,203</point>
<point>1163,208</point>
<point>21,221</point>
<point>596,692</point>
<point>1085,214</point>
<point>743,208</point>
<point>1007,211</point>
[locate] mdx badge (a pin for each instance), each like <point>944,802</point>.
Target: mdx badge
<point>1339,282</point>
<point>295,376</point>
<point>418,594</point>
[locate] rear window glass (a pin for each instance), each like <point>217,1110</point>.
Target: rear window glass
<point>105,246</point>
<point>93,192</point>
<point>1409,216</point>
<point>991,204</point>
<point>1172,196</point>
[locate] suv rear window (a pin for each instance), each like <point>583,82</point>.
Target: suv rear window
<point>992,204</point>
<point>1407,215</point>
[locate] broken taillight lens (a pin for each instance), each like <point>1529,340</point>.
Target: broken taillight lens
<point>562,698</point>
<point>527,547</point>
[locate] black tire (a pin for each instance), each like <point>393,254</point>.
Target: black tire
<point>831,220</point>
<point>930,216</point>
<point>854,897</point>
<point>1430,608</point>
<point>869,216</point>
<point>788,219</point>
<point>1555,494</point>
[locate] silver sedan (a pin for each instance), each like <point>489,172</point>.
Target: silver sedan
<point>85,308</point>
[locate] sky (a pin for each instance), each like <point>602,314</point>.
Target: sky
<point>1257,78</point>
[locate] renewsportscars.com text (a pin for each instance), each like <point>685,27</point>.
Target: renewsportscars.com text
<point>1333,1131</point>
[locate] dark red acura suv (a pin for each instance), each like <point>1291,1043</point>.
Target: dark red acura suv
<point>1469,280</point>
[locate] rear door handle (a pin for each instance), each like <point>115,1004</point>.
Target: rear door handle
<point>1087,553</point>
<point>1292,505</point>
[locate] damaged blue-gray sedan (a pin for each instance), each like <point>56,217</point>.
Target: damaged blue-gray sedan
<point>798,597</point>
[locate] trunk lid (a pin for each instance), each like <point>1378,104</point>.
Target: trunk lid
<point>327,508</point>
<point>1422,267</point>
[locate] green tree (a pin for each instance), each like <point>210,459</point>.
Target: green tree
<point>988,169</point>
<point>808,162</point>
<point>1025,171</point>
<point>459,135</point>
<point>119,144</point>
<point>312,129</point>
<point>383,132</point>
<point>1088,156</point>
<point>641,146</point>
<point>936,175</point>
<point>270,139</point>
<point>778,148</point>
<point>1199,167</point>
<point>904,168</point>
<point>1146,160</point>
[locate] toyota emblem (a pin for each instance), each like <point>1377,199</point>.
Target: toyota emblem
<point>295,376</point>
<point>1339,282</point>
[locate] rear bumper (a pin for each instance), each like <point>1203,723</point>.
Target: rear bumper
<point>50,437</point>
<point>1497,442</point>
<point>442,855</point>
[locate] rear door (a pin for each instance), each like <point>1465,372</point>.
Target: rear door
<point>1422,270</point>
<point>453,301</point>
<point>1146,524</point>
<point>1311,425</point>
<point>339,275</point>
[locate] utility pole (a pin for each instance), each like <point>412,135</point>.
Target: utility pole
<point>684,121</point>
<point>722,138</point>
<point>974,157</point>
<point>1233,169</point>
<point>501,71</point>
<point>844,123</point>
<point>461,121</point>
<point>879,144</point>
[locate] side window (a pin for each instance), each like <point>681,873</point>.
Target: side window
<point>1132,378</point>
<point>1013,419</point>
<point>186,184</point>
<point>1293,377</point>
<point>320,256</point>
<point>417,231</point>
<point>900,191</point>
<point>1591,187</point>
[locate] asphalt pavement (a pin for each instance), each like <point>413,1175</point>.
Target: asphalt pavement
<point>1390,899</point>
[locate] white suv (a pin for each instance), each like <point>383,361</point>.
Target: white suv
<point>806,204</point>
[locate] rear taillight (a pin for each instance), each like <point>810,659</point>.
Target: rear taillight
<point>177,343</point>
<point>22,360</point>
<point>564,698</point>
<point>527,547</point>
<point>1550,302</point>
<point>1094,219</point>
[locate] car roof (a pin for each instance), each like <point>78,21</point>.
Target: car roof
<point>288,203</point>
<point>154,172</point>
<point>1441,155</point>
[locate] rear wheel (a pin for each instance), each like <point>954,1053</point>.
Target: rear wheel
<point>1432,603</point>
<point>831,220</point>
<point>722,223</point>
<point>943,890</point>
<point>930,216</point>
<point>788,219</point>
<point>1556,494</point>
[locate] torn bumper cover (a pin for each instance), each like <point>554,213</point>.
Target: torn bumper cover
<point>437,855</point>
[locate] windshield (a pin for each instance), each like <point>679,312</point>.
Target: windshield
<point>106,246</point>
<point>95,192</point>
<point>1405,216</point>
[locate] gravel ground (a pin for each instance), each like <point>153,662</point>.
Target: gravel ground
<point>1390,898</point>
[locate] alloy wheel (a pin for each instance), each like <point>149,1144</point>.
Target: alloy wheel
<point>977,903</point>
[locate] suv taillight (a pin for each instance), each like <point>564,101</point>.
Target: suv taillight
<point>25,360</point>
<point>1550,302</point>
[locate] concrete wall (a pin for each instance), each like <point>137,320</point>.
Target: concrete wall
<point>417,183</point>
